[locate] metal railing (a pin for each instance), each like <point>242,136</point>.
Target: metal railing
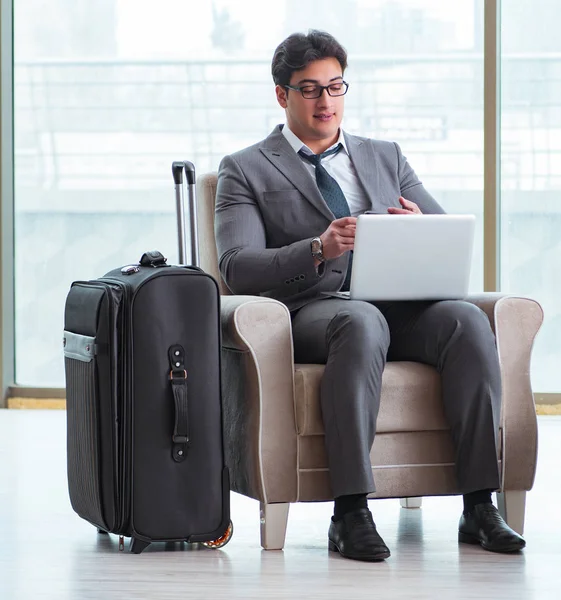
<point>98,124</point>
<point>89,133</point>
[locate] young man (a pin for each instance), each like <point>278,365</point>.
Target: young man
<point>285,222</point>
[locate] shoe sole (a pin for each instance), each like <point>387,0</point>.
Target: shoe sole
<point>376,558</point>
<point>466,538</point>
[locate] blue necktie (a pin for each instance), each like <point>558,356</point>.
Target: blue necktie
<point>332,194</point>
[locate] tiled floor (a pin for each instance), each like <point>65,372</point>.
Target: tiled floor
<point>46,551</point>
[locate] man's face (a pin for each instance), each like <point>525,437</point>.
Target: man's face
<point>315,121</point>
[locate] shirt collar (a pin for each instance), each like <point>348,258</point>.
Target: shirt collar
<point>297,144</point>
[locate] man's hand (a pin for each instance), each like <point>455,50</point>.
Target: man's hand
<point>339,237</point>
<point>409,208</point>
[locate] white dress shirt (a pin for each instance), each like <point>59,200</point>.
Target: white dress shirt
<point>339,166</point>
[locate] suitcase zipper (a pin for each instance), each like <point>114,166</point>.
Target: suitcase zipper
<point>125,420</point>
<point>109,289</point>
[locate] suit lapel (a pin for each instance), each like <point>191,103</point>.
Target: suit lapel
<point>280,153</point>
<point>364,161</point>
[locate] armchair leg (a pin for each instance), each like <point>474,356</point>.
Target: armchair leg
<point>411,502</point>
<point>512,506</point>
<point>274,518</point>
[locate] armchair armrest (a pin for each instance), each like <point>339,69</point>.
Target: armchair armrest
<point>515,321</point>
<point>258,398</point>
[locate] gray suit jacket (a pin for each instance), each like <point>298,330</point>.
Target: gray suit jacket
<point>268,209</point>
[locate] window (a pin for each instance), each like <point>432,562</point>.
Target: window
<point>531,171</point>
<point>108,93</point>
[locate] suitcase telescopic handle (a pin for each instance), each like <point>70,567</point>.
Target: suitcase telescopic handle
<point>177,169</point>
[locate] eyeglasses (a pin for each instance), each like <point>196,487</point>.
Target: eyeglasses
<point>315,91</point>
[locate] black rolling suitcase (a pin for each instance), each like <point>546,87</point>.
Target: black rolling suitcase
<point>144,427</point>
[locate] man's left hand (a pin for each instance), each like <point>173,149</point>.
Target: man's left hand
<point>408,208</point>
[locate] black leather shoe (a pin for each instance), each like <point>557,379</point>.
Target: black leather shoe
<point>355,536</point>
<point>485,526</point>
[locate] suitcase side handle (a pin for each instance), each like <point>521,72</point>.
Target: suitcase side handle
<point>177,169</point>
<point>178,380</point>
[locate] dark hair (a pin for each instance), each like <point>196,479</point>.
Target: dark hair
<point>299,50</point>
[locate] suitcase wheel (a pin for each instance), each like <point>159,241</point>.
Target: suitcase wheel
<point>221,541</point>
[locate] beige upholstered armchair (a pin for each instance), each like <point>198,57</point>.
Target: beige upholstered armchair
<point>274,435</point>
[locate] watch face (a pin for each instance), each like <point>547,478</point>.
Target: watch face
<point>317,249</point>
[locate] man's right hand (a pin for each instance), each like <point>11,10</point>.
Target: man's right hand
<point>339,237</point>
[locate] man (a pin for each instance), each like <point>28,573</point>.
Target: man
<point>285,223</point>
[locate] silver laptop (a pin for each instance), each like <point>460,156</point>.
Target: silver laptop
<point>412,257</point>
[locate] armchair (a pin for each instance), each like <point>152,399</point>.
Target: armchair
<point>273,429</point>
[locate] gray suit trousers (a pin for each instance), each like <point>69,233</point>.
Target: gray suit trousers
<point>354,339</point>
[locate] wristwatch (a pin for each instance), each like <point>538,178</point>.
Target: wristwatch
<point>317,249</point>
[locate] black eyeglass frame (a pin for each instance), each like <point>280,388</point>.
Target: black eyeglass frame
<point>321,88</point>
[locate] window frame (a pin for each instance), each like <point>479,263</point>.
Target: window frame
<point>7,256</point>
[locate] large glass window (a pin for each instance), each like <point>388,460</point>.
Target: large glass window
<point>531,171</point>
<point>108,93</point>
